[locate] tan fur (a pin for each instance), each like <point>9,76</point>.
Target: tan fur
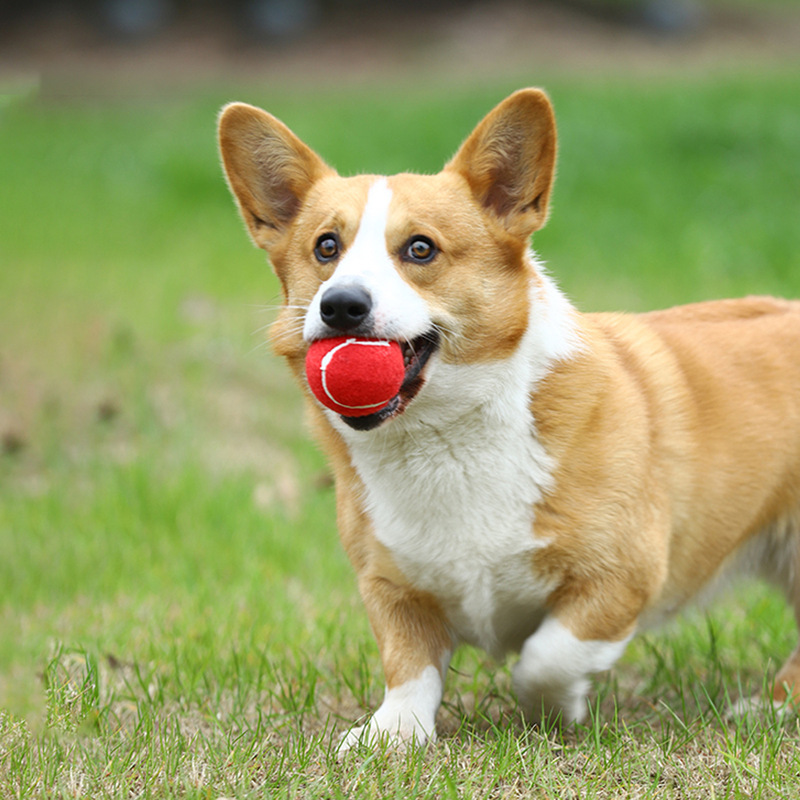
<point>696,410</point>
<point>675,434</point>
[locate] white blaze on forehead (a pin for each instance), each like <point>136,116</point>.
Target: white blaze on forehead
<point>371,237</point>
<point>398,312</point>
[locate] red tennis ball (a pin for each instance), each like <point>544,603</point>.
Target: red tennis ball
<point>354,377</point>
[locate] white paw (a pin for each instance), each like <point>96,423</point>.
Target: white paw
<point>406,717</point>
<point>399,737</point>
<point>565,702</point>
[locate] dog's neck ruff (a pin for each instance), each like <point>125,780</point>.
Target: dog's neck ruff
<point>451,484</point>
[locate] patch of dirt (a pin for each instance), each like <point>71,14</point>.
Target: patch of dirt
<point>476,41</point>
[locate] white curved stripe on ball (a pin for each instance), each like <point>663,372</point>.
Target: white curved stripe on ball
<point>326,359</point>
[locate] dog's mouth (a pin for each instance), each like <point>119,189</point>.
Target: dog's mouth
<point>416,354</point>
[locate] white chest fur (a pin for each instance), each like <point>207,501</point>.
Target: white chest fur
<point>451,487</point>
<point>454,505</point>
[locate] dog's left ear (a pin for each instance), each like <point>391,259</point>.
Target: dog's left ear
<point>509,161</point>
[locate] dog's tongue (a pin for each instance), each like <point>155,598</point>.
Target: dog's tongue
<point>354,377</point>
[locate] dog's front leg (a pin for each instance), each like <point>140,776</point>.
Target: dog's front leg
<point>551,678</point>
<point>415,648</point>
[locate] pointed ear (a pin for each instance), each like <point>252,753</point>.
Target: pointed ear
<point>509,161</point>
<point>269,170</point>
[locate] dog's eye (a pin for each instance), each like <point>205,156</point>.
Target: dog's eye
<point>420,250</point>
<point>327,248</point>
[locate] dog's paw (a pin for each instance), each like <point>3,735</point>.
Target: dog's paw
<point>406,718</point>
<point>400,736</point>
<point>545,707</point>
<point>555,703</point>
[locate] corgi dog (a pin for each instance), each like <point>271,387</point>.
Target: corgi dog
<point>545,481</point>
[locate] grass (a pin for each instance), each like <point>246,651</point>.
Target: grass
<point>176,615</point>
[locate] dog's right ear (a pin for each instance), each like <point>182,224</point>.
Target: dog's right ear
<point>269,170</point>
<point>509,161</point>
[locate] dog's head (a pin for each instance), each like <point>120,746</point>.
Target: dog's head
<point>438,263</point>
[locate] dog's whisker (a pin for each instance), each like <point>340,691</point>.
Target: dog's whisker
<point>261,329</point>
<point>284,336</point>
<point>258,346</point>
<point>301,305</point>
<point>446,333</point>
<point>268,325</point>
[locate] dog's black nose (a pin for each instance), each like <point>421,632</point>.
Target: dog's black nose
<point>345,307</point>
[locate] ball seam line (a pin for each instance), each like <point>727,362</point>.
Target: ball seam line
<point>326,360</point>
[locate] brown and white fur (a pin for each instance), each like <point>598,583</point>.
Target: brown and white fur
<point>550,481</point>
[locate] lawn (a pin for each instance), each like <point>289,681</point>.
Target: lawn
<point>177,617</point>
